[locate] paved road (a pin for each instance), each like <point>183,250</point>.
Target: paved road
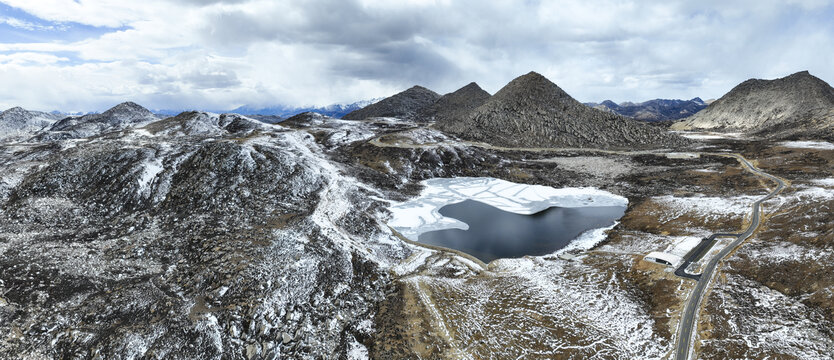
<point>688,322</point>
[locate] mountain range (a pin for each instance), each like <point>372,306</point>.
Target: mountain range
<point>116,118</point>
<point>532,111</point>
<point>653,110</point>
<point>285,111</point>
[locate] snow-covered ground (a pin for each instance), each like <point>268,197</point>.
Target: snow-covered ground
<point>815,193</point>
<point>709,207</point>
<point>820,145</point>
<point>419,215</point>
<point>707,135</point>
<point>825,182</point>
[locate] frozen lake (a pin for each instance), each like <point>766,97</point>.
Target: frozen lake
<point>492,218</point>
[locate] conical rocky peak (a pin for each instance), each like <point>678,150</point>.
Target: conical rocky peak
<point>456,104</point>
<point>532,85</point>
<point>15,110</point>
<point>403,105</point>
<point>795,104</point>
<point>127,113</point>
<point>128,107</point>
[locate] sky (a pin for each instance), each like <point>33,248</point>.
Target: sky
<point>88,55</point>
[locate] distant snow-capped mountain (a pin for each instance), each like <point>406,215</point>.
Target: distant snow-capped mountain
<point>284,111</point>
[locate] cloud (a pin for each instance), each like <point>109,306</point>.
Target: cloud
<point>221,54</point>
<point>26,25</point>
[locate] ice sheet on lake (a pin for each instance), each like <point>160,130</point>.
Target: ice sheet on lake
<point>419,215</point>
<point>707,135</point>
<point>820,145</point>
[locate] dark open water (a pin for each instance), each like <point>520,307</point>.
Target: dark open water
<point>494,233</point>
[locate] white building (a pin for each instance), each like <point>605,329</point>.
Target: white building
<point>663,258</point>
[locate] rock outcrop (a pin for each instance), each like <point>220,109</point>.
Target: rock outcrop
<point>403,105</point>
<point>531,111</point>
<point>796,105</point>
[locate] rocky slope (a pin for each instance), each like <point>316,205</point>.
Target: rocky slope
<point>18,122</point>
<point>796,105</point>
<point>455,105</point>
<point>197,236</point>
<point>531,111</point>
<point>118,117</point>
<point>653,110</point>
<point>402,105</point>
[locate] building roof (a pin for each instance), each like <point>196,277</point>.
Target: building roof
<point>672,259</point>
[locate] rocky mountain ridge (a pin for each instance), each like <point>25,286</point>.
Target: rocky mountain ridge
<point>19,122</point>
<point>405,104</point>
<point>455,104</point>
<point>118,117</point>
<point>653,110</point>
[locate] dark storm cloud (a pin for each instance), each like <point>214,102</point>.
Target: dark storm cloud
<point>395,61</point>
<point>364,44</point>
<point>325,51</point>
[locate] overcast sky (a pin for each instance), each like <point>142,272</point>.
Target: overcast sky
<point>86,55</point>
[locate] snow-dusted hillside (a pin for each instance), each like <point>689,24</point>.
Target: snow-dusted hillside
<point>17,122</point>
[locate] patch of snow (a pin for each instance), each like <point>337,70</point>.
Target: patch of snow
<point>683,155</point>
<point>708,206</point>
<point>682,245</point>
<point>419,215</point>
<point>142,132</point>
<point>817,193</point>
<point>707,135</point>
<point>413,262</point>
<point>347,136</point>
<point>356,351</point>
<point>587,240</point>
<point>784,251</point>
<point>824,182</point>
<point>150,170</point>
<point>820,145</point>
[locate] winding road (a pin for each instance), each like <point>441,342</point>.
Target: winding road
<point>688,323</point>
